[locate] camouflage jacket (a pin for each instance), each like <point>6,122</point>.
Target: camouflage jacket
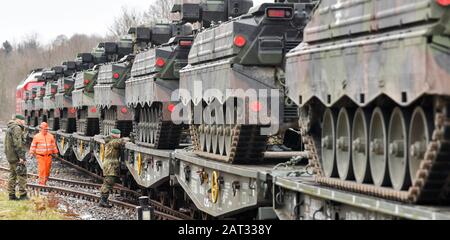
<point>14,142</point>
<point>111,165</point>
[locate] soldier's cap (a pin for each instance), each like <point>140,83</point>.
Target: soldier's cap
<point>116,131</point>
<point>20,116</point>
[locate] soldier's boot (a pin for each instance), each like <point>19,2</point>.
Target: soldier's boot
<point>24,197</point>
<point>104,202</point>
<point>13,197</point>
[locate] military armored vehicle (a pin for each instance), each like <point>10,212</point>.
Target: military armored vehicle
<point>231,60</point>
<point>372,81</point>
<point>154,76</point>
<point>51,88</point>
<point>65,87</point>
<point>88,116</point>
<point>109,93</point>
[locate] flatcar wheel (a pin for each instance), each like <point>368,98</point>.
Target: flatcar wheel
<point>378,148</point>
<point>360,147</point>
<point>343,145</point>
<point>398,150</point>
<point>419,135</point>
<point>328,144</point>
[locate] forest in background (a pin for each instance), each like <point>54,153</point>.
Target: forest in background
<point>17,59</point>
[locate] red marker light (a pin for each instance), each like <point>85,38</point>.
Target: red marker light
<point>276,13</point>
<point>160,62</point>
<point>171,107</point>
<point>116,75</point>
<point>72,110</point>
<point>240,41</point>
<point>185,43</point>
<point>93,110</point>
<point>86,82</point>
<point>124,110</point>
<point>444,2</point>
<point>256,106</point>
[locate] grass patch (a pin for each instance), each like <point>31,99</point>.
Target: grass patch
<point>37,208</point>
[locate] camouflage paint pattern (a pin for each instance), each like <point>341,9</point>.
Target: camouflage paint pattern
<point>365,49</point>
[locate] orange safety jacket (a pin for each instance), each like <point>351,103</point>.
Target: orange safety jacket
<point>43,145</point>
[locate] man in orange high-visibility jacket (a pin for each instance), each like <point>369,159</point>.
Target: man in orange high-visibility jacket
<point>43,147</point>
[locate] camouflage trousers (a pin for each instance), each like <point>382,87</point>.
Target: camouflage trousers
<point>108,185</point>
<point>18,175</point>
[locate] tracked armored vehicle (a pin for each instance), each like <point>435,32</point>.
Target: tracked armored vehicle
<point>109,93</point>
<point>372,80</point>
<point>64,102</point>
<point>155,76</point>
<point>88,114</point>
<point>65,87</point>
<point>51,88</point>
<point>234,78</point>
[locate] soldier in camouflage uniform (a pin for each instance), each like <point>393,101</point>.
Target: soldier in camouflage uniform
<point>15,153</point>
<point>111,165</point>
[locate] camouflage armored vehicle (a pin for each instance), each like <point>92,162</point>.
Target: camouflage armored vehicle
<point>230,61</point>
<point>154,76</point>
<point>42,103</point>
<point>161,53</point>
<point>372,80</point>
<point>65,87</point>
<point>109,93</point>
<point>88,116</point>
<point>51,88</point>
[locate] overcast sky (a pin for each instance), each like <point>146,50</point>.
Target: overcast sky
<point>50,18</point>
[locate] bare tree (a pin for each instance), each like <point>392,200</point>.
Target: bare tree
<point>127,19</point>
<point>27,55</point>
<point>159,12</point>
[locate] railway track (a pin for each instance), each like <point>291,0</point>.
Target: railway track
<point>80,184</point>
<point>92,198</point>
<point>159,208</point>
